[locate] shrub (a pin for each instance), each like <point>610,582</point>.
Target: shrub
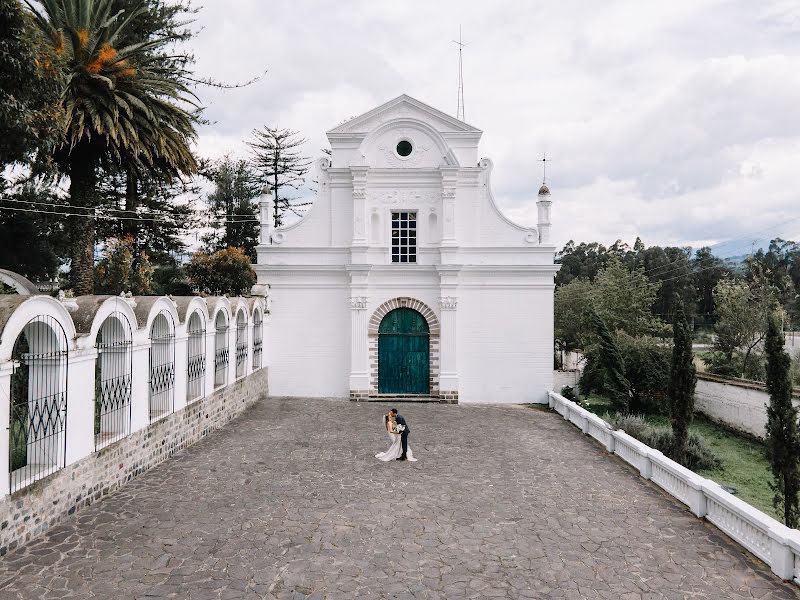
<point>719,363</point>
<point>569,393</point>
<point>634,425</point>
<point>698,454</point>
<point>123,270</point>
<point>172,280</point>
<point>226,271</point>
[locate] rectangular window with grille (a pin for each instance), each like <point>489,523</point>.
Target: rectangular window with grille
<point>404,237</point>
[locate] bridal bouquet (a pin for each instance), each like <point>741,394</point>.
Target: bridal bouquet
<point>399,428</point>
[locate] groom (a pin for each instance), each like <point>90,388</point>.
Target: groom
<point>404,435</point>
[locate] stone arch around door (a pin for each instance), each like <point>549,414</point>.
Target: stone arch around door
<point>433,333</point>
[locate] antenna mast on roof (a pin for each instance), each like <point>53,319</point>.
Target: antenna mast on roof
<point>544,168</point>
<point>460,109</point>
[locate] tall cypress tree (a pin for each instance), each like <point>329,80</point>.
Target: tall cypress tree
<point>682,382</point>
<point>783,443</point>
<point>613,365</point>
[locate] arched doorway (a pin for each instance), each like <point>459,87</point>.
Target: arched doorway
<point>403,353</point>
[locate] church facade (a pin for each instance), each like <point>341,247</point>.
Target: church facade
<point>404,279</point>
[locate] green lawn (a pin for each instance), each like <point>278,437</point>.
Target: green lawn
<point>744,464</point>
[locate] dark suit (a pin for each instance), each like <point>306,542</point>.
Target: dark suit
<point>404,435</point>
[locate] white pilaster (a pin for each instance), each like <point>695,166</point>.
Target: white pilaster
<point>360,216</point>
<point>359,321</point>
<point>359,351</point>
<point>448,353</point>
<point>449,186</point>
<point>140,387</point>
<point>5,408</point>
<point>181,364</point>
<point>80,404</point>
<point>448,374</point>
<point>231,350</point>
<point>211,336</point>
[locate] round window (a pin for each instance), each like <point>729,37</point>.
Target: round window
<point>404,148</point>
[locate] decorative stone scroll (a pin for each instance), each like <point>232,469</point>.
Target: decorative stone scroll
<point>359,302</point>
<point>448,302</point>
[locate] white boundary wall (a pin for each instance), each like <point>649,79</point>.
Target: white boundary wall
<point>741,405</point>
<point>766,538</point>
<point>88,469</point>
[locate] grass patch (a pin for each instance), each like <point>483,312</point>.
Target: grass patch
<point>743,460</point>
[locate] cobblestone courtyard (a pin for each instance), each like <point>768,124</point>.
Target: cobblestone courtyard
<point>288,502</point>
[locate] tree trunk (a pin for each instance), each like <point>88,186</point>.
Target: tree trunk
<point>275,189</point>
<point>129,226</point>
<point>82,191</point>
<point>746,359</point>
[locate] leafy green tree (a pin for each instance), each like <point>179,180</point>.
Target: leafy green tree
<point>573,326</point>
<point>226,271</point>
<point>122,108</point>
<point>277,157</point>
<point>30,114</point>
<point>234,205</point>
<point>783,441</point>
<point>780,266</point>
<point>613,367</point>
<point>682,381</point>
<point>646,363</point>
<point>623,300</point>
<point>744,310</point>
<point>670,269</point>
<point>583,261</point>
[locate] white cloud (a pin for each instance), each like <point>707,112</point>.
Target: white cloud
<point>674,121</point>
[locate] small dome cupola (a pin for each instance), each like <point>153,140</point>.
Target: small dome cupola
<point>544,190</point>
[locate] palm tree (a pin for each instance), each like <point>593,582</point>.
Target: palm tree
<point>125,107</point>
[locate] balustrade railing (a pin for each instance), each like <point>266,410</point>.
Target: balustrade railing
<point>766,538</point>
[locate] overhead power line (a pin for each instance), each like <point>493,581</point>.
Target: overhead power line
<point>117,218</point>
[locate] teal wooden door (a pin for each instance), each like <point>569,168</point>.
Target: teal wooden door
<point>403,364</point>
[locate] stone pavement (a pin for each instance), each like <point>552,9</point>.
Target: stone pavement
<point>288,502</point>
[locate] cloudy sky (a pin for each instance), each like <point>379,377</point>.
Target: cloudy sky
<point>676,121</point>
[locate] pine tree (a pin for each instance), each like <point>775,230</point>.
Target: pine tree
<point>277,157</point>
<point>783,442</point>
<point>683,380</point>
<point>613,365</point>
<point>233,206</point>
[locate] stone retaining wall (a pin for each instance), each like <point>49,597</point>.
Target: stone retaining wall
<point>34,509</point>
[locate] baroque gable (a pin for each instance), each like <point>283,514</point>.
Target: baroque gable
<point>403,107</point>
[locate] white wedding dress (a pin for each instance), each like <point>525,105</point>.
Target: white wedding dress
<point>395,450</point>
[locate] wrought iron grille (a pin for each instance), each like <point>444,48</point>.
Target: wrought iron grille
<point>257,340</point>
<point>241,344</point>
<point>112,380</point>
<point>221,350</point>
<point>196,367</point>
<point>38,412</point>
<point>162,366</point>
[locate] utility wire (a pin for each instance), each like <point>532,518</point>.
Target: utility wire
<point>117,218</point>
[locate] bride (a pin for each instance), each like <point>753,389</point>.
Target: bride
<point>395,450</point>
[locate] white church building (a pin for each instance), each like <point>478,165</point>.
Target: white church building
<point>404,279</point>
